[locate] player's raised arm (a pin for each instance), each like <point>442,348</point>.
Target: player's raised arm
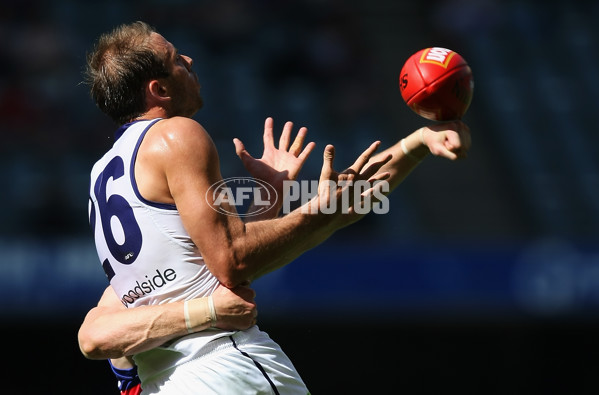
<point>234,251</point>
<point>450,140</point>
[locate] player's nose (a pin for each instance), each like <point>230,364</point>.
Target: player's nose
<point>188,60</point>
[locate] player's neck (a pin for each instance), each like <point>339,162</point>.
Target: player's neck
<point>153,113</point>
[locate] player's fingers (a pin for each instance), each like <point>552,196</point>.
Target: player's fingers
<point>307,151</point>
<point>452,141</point>
<point>447,152</point>
<point>384,175</point>
<point>298,143</point>
<point>374,167</point>
<point>364,157</point>
<point>327,162</point>
<point>268,136</point>
<point>240,150</point>
<point>457,143</point>
<point>247,292</point>
<point>285,136</point>
<point>378,189</point>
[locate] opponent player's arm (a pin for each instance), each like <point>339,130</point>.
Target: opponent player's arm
<point>110,330</point>
<point>234,251</point>
<point>448,140</point>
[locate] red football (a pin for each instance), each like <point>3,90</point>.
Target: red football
<point>437,84</point>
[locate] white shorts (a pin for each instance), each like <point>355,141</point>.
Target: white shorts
<point>248,362</point>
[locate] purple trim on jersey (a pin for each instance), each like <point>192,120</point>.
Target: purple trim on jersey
<point>119,132</point>
<point>165,206</point>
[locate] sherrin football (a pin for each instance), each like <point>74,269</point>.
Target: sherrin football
<point>437,84</point>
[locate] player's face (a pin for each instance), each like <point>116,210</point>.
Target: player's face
<point>182,83</point>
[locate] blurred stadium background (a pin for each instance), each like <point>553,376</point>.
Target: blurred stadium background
<point>484,276</point>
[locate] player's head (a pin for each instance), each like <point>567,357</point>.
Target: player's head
<point>133,68</point>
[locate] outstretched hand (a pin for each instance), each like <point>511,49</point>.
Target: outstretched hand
<point>277,164</point>
<point>449,140</point>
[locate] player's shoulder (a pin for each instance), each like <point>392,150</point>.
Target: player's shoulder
<point>178,126</point>
<point>180,133</point>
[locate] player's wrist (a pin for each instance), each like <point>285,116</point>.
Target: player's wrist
<point>199,314</point>
<point>414,145</point>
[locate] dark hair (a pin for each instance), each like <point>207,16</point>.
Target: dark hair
<point>118,68</point>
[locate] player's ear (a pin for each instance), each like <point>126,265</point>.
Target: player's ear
<point>157,90</point>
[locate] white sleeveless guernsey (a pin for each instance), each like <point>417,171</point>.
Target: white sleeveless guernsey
<point>150,259</point>
<point>144,249</point>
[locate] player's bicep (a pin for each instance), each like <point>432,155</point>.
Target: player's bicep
<point>191,177</point>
